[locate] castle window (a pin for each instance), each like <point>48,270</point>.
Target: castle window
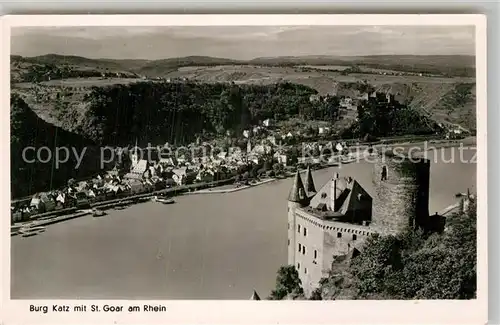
<point>298,266</point>
<point>289,242</point>
<point>305,270</point>
<point>323,195</point>
<point>315,254</point>
<point>289,225</point>
<point>354,237</point>
<point>339,235</point>
<point>298,229</point>
<point>300,248</point>
<point>305,231</point>
<point>304,250</point>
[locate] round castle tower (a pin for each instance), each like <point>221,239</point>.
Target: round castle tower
<point>401,186</point>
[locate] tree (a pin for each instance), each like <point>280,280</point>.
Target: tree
<point>237,178</point>
<point>267,166</point>
<point>276,168</point>
<point>287,284</point>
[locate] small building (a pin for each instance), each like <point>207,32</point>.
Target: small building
<point>323,130</point>
<point>136,187</point>
<point>280,158</point>
<point>267,123</point>
<point>314,98</point>
<point>272,139</point>
<point>138,171</point>
<point>256,130</point>
<point>179,174</point>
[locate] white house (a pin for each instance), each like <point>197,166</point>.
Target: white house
<point>314,98</point>
<point>272,139</point>
<point>256,130</point>
<point>281,158</point>
<point>323,130</point>
<point>179,174</point>
<point>267,123</point>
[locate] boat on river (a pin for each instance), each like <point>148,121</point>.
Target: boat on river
<point>98,213</point>
<point>164,200</point>
<point>29,231</point>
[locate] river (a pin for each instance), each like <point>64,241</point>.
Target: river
<point>206,246</point>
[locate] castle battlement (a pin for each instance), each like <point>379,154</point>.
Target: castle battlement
<point>329,225</point>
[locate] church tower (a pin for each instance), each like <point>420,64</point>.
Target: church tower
<point>297,198</point>
<point>135,156</point>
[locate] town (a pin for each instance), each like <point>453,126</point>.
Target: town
<point>140,171</point>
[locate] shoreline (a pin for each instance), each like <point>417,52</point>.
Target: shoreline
<point>68,214</point>
<point>231,190</point>
<point>438,144</point>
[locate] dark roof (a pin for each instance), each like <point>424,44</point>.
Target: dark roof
<point>309,185</point>
<point>297,192</point>
<point>255,296</point>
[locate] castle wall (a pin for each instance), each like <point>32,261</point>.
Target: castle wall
<point>309,262</point>
<point>402,199</point>
<point>292,206</point>
<point>322,243</point>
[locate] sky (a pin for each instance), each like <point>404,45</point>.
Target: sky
<point>242,42</point>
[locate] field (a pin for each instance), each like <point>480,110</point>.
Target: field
<point>79,82</point>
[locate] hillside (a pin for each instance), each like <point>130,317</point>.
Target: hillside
<point>446,65</point>
<point>444,99</point>
<point>27,129</point>
<point>55,87</point>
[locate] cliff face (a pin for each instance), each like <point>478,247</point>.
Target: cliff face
<point>30,136</point>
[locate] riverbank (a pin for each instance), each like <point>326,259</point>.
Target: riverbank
<point>16,228</point>
<point>72,213</point>
<point>426,144</point>
<point>234,189</point>
<point>357,154</point>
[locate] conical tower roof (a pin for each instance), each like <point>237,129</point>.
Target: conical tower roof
<point>309,185</point>
<point>255,296</point>
<point>297,192</point>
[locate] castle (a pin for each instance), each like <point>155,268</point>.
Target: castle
<point>336,219</point>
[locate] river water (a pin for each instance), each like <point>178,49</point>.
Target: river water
<point>210,246</point>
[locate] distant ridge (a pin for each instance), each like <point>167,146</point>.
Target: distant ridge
<point>414,61</point>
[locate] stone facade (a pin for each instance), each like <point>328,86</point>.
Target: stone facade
<point>316,242</point>
<point>402,196</point>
